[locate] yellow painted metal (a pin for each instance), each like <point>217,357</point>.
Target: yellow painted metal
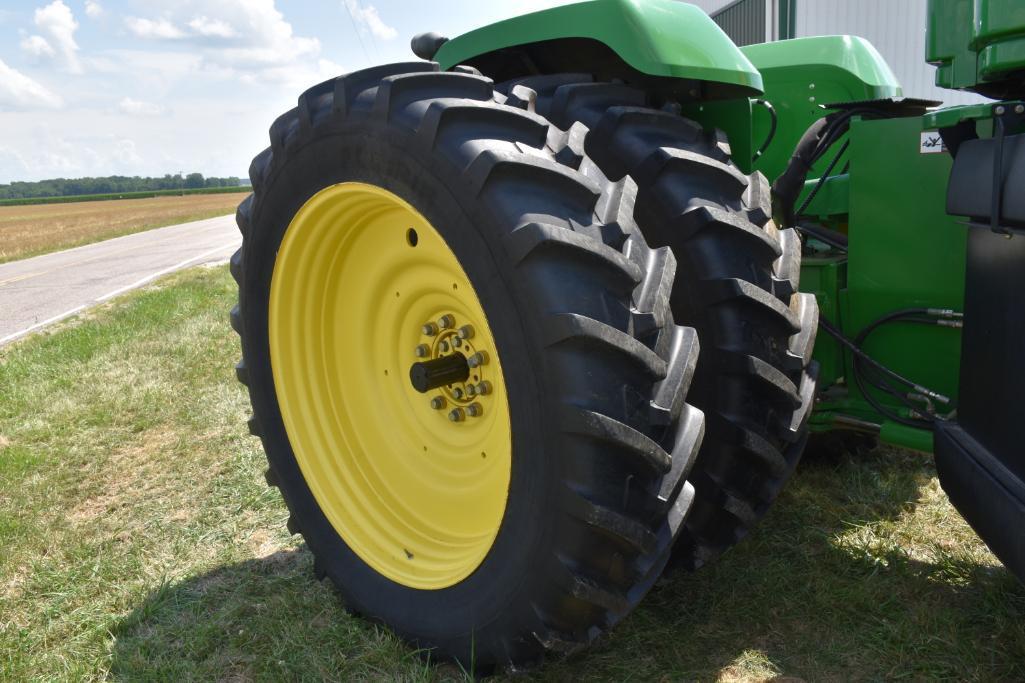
<point>417,496</point>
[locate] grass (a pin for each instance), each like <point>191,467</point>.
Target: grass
<point>141,543</point>
<point>39,228</point>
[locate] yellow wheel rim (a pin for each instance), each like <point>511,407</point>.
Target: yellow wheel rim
<point>363,287</point>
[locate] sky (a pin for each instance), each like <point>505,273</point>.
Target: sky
<point>148,87</point>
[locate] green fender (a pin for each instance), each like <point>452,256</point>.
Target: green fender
<point>803,74</point>
<point>659,38</point>
<point>798,77</point>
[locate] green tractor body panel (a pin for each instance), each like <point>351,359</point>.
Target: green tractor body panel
<point>977,45</point>
<point>904,251</point>
<point>659,38</point>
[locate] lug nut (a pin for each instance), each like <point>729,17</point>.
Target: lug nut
<point>443,347</point>
<point>421,351</point>
<point>465,332</point>
<point>458,393</point>
<point>475,410</point>
<point>446,321</point>
<point>1019,109</point>
<point>484,388</point>
<point>471,390</point>
<point>477,359</point>
<point>457,342</point>
<point>429,329</point>
<point>456,415</point>
<point>437,402</point>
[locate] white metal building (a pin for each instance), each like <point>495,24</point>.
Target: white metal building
<point>895,27</point>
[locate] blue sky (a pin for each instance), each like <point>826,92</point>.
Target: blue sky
<point>97,87</point>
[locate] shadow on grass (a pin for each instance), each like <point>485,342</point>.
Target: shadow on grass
<point>842,581</point>
<point>261,619</point>
<point>829,587</point>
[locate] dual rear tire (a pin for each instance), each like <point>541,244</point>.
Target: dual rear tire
<point>399,205</point>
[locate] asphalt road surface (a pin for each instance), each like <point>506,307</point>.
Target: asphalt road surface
<point>38,291</point>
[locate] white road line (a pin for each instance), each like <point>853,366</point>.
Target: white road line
<point>54,319</point>
<point>119,290</point>
<point>165,271</point>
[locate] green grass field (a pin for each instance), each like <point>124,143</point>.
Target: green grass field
<point>141,543</point>
<point>145,194</point>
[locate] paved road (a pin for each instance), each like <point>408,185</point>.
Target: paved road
<point>38,291</point>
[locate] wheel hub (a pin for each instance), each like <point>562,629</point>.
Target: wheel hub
<point>455,368</point>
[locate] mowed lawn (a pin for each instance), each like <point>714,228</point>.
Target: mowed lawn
<point>38,228</point>
<point>140,542</point>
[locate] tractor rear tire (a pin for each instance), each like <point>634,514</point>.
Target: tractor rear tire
<point>589,368</point>
<point>736,284</point>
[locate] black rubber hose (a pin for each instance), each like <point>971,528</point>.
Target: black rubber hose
<point>879,407</point>
<point>886,412</point>
<point>822,179</point>
<point>922,316</point>
<point>859,354</point>
<point>835,239</point>
<point>773,123</point>
<point>819,137</point>
<point>787,187</point>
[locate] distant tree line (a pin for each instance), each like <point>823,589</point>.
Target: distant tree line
<point>63,187</point>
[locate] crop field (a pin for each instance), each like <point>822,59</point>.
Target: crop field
<point>142,194</point>
<point>140,542</point>
<point>27,230</point>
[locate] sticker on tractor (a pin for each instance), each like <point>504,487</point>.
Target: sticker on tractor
<point>931,143</point>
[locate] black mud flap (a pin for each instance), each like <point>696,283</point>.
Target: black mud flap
<point>981,457</point>
<point>987,494</point>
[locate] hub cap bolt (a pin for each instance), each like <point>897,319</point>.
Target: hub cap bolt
<point>437,403</point>
<point>422,351</point>
<point>443,347</point>
<point>475,410</point>
<point>458,393</point>
<point>484,388</point>
<point>477,359</point>
<point>429,329</point>
<point>446,321</point>
<point>456,415</point>
<point>465,332</point>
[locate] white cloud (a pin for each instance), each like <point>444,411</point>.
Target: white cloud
<point>263,44</point>
<point>155,72</point>
<point>18,91</point>
<point>213,28</point>
<point>57,25</point>
<point>139,108</point>
<point>232,67</point>
<point>369,17</point>
<point>124,153</point>
<point>153,28</point>
<point>294,79</point>
<point>49,150</point>
<point>37,47</point>
<point>93,9</point>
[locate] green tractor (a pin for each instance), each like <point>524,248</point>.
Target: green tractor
<point>528,322</point>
